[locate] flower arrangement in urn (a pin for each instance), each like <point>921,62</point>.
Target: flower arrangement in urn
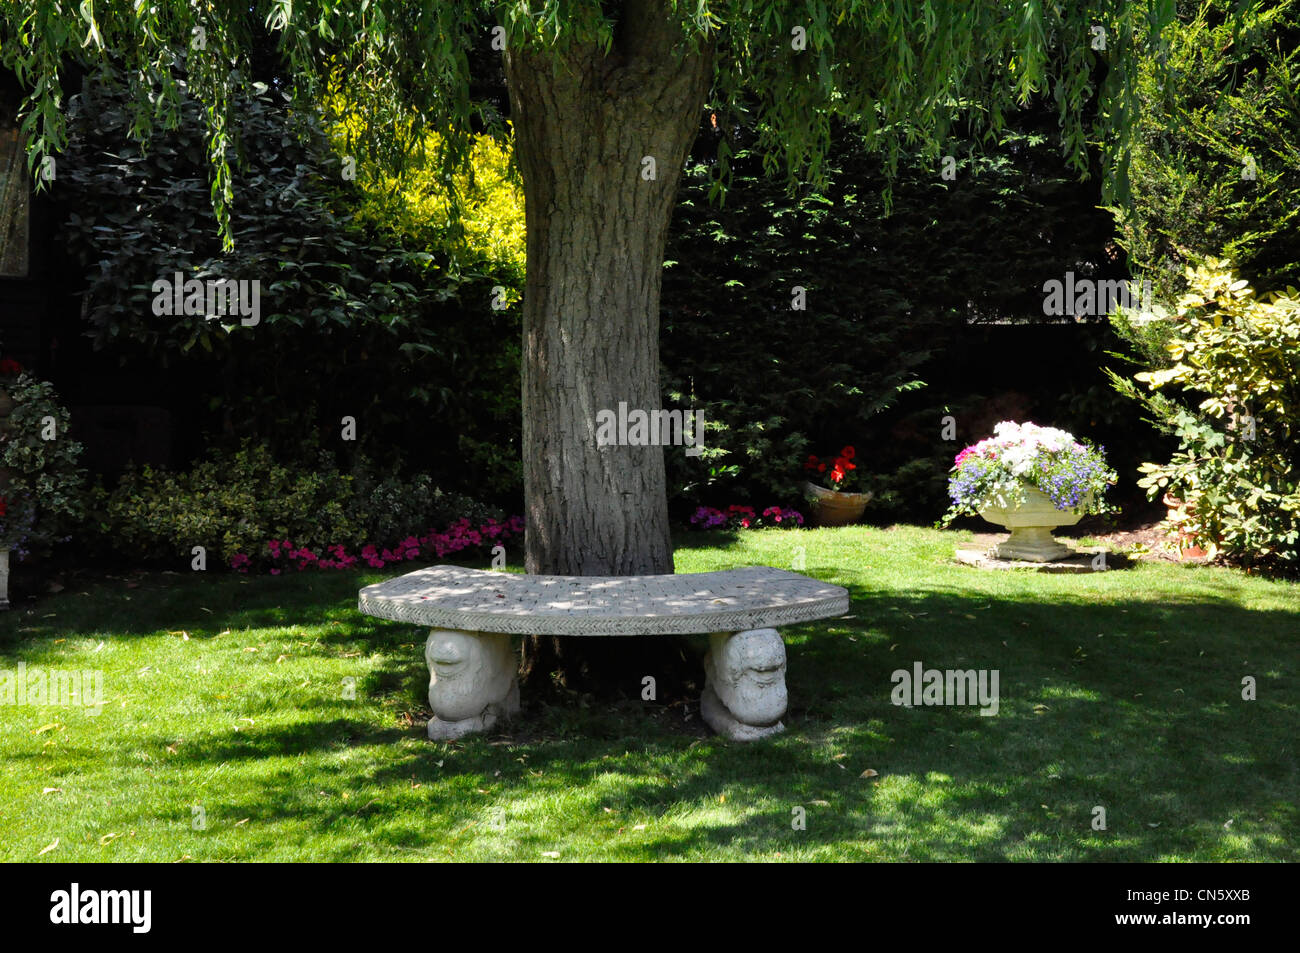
<point>836,505</point>
<point>1029,479</point>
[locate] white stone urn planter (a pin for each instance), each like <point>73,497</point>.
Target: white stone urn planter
<point>1031,523</point>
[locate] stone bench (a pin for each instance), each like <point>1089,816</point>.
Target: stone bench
<point>472,613</point>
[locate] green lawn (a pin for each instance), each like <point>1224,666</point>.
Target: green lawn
<point>1119,689</point>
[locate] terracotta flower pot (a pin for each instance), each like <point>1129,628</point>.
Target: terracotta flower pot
<point>1031,523</point>
<point>1178,511</point>
<point>833,508</point>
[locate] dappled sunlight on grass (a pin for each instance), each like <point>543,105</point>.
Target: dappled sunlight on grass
<point>228,697</point>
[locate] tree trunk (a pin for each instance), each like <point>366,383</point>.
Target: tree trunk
<point>600,141</point>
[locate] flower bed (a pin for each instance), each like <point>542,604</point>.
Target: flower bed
<point>459,536</point>
<point>744,517</point>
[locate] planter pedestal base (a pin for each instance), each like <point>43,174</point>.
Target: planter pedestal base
<point>1031,520</point>
<point>1032,544</point>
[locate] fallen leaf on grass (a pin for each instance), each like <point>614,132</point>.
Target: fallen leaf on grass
<point>869,773</point>
<point>46,850</point>
<point>550,853</point>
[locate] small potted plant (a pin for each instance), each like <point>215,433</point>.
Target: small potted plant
<point>835,505</point>
<point>1029,479</point>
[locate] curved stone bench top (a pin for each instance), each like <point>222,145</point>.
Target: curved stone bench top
<point>475,600</point>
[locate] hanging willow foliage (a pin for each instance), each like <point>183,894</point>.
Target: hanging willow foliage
<point>899,71</point>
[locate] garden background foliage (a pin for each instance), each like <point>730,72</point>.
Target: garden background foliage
<point>1215,224</point>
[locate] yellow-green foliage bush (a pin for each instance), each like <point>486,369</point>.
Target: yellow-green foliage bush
<point>1237,470</point>
<point>489,231</point>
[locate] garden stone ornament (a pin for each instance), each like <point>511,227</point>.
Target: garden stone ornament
<point>472,682</point>
<point>471,615</point>
<point>744,690</point>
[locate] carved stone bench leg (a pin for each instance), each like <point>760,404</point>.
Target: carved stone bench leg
<point>744,687</point>
<point>472,681</point>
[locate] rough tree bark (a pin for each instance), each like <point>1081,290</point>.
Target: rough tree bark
<point>586,130</point>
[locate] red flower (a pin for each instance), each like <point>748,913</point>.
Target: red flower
<point>4,506</point>
<point>848,453</point>
<point>837,475</point>
<point>10,366</point>
<point>821,468</point>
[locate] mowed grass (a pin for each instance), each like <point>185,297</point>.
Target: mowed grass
<point>1120,690</point>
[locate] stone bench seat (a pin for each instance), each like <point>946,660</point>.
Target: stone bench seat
<point>472,613</point>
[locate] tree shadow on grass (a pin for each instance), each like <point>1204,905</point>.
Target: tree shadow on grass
<point>1128,705</point>
<point>228,604</point>
<point>1147,723</point>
